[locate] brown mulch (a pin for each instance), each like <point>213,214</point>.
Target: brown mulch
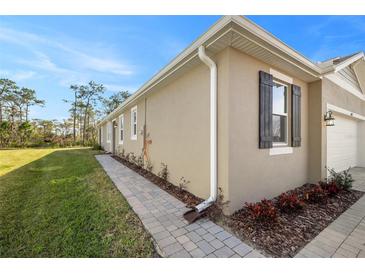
<point>281,238</point>
<point>186,197</point>
<point>291,231</point>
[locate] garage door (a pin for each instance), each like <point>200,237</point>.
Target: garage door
<point>342,143</point>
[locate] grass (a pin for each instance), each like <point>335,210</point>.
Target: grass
<point>60,203</point>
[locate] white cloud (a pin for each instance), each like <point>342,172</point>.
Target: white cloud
<point>100,62</point>
<point>18,75</point>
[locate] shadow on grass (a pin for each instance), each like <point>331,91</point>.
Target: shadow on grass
<point>64,205</point>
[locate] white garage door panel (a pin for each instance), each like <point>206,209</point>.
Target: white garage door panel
<point>342,143</point>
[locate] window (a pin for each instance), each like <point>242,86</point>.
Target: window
<point>108,133</point>
<point>134,123</point>
<point>280,114</point>
<point>121,129</point>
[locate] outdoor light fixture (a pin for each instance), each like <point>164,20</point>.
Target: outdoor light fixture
<point>329,119</point>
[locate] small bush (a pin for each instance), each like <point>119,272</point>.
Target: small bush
<point>315,194</point>
<point>289,202</point>
<point>132,158</point>
<point>140,161</point>
<point>97,147</point>
<point>343,179</point>
<point>262,211</point>
<point>149,165</point>
<point>331,188</point>
<point>183,184</point>
<point>216,211</point>
<point>163,173</point>
<point>122,154</point>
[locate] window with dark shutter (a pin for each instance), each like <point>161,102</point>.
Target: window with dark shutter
<point>265,110</point>
<point>296,116</point>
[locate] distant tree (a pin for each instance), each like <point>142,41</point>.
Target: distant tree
<point>73,109</point>
<point>87,98</point>
<point>7,87</point>
<point>4,133</point>
<point>111,103</point>
<point>25,130</point>
<point>28,98</point>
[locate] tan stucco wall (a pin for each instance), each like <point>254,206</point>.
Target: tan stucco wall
<point>177,119</point>
<point>177,123</point>
<point>337,96</point>
<point>253,173</point>
<point>129,145</point>
<point>105,145</point>
<point>315,125</point>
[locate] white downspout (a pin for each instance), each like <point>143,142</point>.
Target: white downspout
<point>213,130</point>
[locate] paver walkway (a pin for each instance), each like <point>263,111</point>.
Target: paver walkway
<point>345,237</point>
<point>162,215</point>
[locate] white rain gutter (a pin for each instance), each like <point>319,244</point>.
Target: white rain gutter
<point>213,130</point>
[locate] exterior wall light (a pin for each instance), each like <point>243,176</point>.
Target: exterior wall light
<point>329,119</point>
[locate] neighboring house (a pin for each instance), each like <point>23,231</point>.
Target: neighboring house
<point>271,102</point>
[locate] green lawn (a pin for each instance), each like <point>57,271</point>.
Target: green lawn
<point>60,203</point>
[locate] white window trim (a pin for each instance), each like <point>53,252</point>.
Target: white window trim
<point>284,144</point>
<point>134,136</point>
<point>109,132</point>
<point>281,150</point>
<point>121,122</point>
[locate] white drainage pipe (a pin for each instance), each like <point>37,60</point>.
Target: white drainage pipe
<point>213,130</point>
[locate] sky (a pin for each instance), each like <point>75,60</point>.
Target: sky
<point>49,53</point>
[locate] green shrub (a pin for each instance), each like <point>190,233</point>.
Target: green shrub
<point>343,179</point>
<point>97,147</point>
<point>163,173</point>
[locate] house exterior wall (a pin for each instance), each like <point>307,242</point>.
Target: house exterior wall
<point>315,126</point>
<point>104,143</point>
<point>338,96</point>
<point>253,173</point>
<point>177,128</point>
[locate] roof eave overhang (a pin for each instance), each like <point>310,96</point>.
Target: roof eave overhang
<point>226,26</point>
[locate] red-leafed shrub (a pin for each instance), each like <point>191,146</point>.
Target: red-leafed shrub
<point>262,211</point>
<point>331,188</point>
<point>315,194</point>
<point>289,202</point>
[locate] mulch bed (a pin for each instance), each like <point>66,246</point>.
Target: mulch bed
<point>291,231</point>
<point>186,197</point>
<point>281,238</point>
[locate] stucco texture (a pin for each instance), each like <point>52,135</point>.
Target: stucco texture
<point>253,173</point>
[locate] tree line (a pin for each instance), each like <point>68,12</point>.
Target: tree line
<point>87,106</point>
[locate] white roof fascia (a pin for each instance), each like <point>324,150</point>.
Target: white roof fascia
<point>349,61</point>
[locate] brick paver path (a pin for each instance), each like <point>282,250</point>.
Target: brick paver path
<point>345,237</point>
<point>161,214</point>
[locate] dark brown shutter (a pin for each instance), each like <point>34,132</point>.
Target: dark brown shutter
<point>265,110</point>
<point>296,116</point>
